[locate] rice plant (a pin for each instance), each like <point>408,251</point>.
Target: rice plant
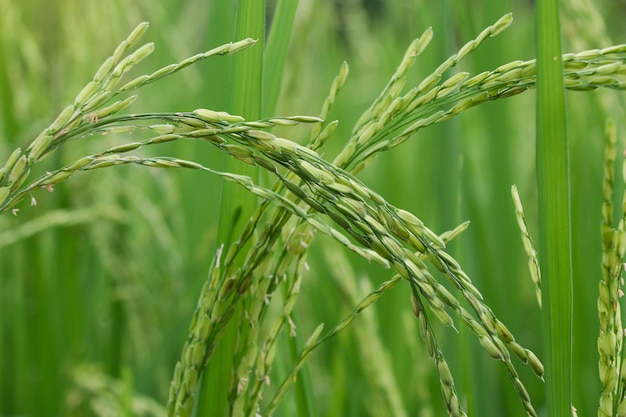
<point>131,335</point>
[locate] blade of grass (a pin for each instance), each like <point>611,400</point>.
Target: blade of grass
<point>554,211</point>
<point>236,204</point>
<point>246,101</point>
<point>276,52</point>
<point>246,85</point>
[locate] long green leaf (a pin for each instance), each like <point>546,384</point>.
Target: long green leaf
<point>276,52</point>
<point>554,211</point>
<point>236,204</point>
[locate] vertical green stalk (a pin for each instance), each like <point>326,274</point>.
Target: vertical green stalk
<point>276,53</point>
<point>247,81</point>
<point>554,211</point>
<point>236,203</point>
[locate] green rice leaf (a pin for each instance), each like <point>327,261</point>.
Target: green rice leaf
<point>554,211</point>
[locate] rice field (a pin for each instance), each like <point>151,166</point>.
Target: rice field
<point>177,253</point>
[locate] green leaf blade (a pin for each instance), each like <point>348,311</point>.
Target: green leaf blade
<point>554,211</point>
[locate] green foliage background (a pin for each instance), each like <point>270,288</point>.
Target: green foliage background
<point>98,281</point>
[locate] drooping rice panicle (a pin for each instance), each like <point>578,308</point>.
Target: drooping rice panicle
<point>362,225</point>
<point>325,181</point>
<point>437,99</point>
<point>583,71</point>
<point>89,104</point>
<point>389,104</point>
<point>434,351</point>
<point>316,193</point>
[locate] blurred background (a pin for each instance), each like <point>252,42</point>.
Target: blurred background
<point>99,279</point>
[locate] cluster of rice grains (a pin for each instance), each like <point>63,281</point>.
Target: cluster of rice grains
<point>92,112</point>
<point>310,195</point>
<point>611,365</point>
<point>383,233</point>
<point>533,262</point>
